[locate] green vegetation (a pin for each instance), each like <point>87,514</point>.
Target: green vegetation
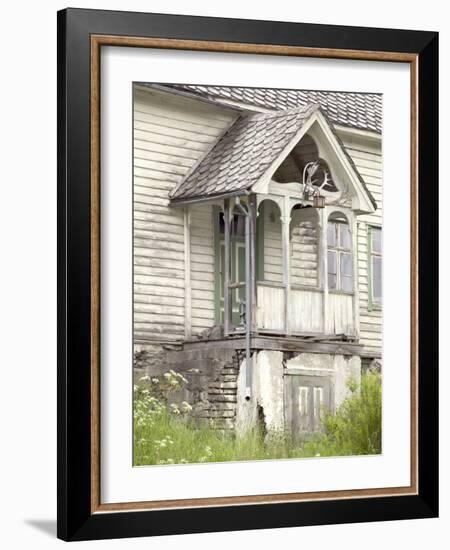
<point>165,434</point>
<point>356,427</point>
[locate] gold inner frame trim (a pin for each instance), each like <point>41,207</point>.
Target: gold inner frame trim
<point>97,41</point>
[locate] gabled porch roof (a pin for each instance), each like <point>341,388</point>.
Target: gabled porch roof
<point>250,151</point>
<point>243,154</point>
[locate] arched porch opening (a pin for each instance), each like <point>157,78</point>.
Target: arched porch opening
<point>292,169</point>
<point>270,288</point>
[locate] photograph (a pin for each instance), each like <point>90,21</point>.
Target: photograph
<point>257,273</point>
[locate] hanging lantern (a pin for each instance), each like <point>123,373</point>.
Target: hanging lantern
<point>319,201</point>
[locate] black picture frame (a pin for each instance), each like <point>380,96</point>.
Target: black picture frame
<point>75,478</point>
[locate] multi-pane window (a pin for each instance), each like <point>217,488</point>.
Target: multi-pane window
<point>340,257</point>
<point>375,285</point>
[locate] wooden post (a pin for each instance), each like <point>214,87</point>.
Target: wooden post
<point>252,211</point>
<point>226,271</point>
<point>187,274</point>
<point>285,230</point>
<point>323,264</point>
<point>354,232</point>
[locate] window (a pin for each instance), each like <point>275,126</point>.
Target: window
<point>340,257</point>
<point>374,259</point>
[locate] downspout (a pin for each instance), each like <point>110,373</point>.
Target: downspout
<point>248,305</point>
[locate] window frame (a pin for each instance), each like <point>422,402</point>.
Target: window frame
<point>372,304</point>
<point>339,251</point>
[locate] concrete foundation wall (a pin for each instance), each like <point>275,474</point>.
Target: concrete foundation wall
<point>270,369</point>
<point>216,386</point>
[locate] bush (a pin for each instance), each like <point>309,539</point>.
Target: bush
<point>355,429</point>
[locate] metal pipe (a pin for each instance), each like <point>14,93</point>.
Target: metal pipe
<point>248,304</point>
<point>248,313</point>
<point>226,275</point>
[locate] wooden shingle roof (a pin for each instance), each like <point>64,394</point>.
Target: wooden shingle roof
<point>243,154</point>
<point>362,111</point>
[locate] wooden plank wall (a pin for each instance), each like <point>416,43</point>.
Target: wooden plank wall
<point>368,159</point>
<point>202,267</point>
<point>273,262</point>
<point>304,245</point>
<point>171,134</point>
<point>270,309</point>
<point>304,267</point>
<point>340,314</point>
<point>306,311</point>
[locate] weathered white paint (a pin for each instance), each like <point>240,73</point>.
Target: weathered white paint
<point>303,251</point>
<point>269,378</point>
<point>331,151</point>
<point>273,264</point>
<point>367,156</point>
<point>340,318</point>
<point>267,393</point>
<point>270,307</point>
<point>306,311</point>
<point>171,134</point>
<point>187,274</point>
<point>286,248</point>
<point>202,267</point>
<point>341,370</point>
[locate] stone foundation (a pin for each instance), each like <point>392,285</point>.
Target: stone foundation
<point>216,381</point>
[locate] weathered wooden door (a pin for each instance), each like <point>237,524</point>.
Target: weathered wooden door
<point>307,398</point>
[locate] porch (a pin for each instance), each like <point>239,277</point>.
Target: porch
<point>280,269</point>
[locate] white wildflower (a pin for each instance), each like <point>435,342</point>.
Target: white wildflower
<point>186,406</point>
<point>208,450</point>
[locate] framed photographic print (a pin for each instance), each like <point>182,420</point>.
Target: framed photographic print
<point>247,274</point>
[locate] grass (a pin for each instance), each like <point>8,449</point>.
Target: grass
<point>166,435</point>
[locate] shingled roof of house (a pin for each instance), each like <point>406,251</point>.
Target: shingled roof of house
<point>362,111</point>
<point>243,154</point>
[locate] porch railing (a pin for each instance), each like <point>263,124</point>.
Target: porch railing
<point>309,310</point>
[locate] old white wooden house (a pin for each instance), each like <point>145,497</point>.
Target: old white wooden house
<point>257,247</point>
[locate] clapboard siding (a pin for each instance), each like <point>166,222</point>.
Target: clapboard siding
<point>368,159</point>
<point>171,134</point>
<point>303,250</point>
<point>202,267</point>
<point>273,263</point>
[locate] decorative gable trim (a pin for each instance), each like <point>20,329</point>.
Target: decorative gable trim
<point>362,200</point>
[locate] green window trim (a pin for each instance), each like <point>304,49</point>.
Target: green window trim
<point>372,305</point>
<point>216,240</point>
<point>216,236</point>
